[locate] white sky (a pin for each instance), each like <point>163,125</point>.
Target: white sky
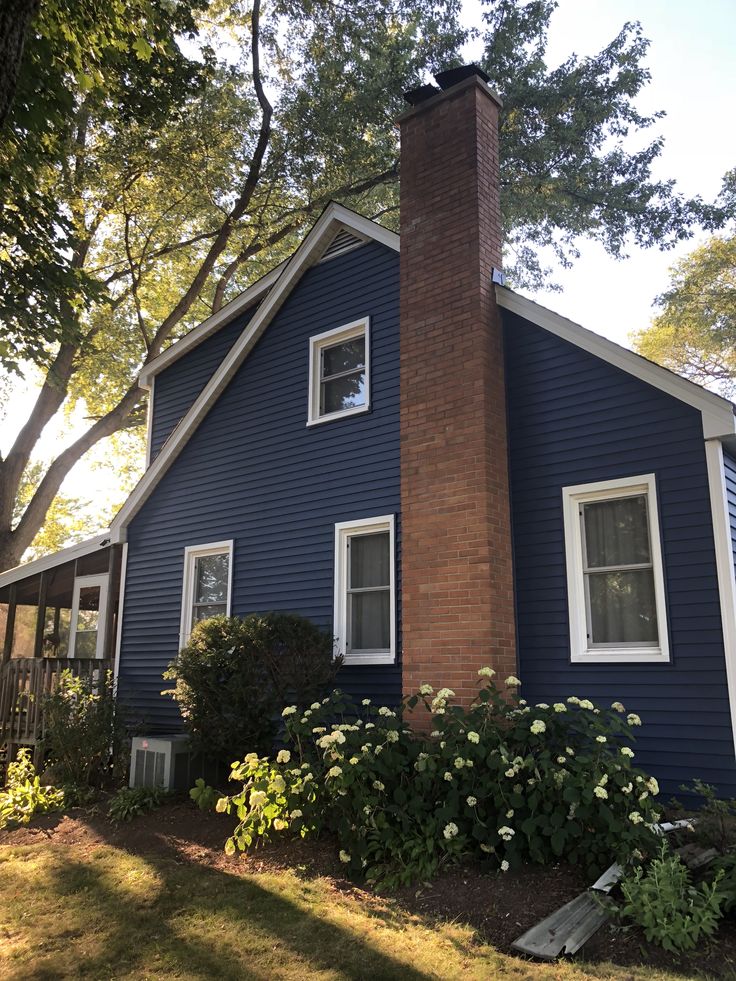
<point>693,70</point>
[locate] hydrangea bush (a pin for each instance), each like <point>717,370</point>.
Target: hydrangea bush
<point>502,781</point>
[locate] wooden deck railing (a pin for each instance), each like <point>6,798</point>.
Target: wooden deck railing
<point>23,683</point>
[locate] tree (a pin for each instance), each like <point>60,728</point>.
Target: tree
<point>185,176</point>
<point>695,333</point>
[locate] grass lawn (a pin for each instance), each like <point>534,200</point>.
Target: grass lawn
<point>102,910</point>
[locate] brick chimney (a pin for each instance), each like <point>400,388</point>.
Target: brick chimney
<point>457,575</point>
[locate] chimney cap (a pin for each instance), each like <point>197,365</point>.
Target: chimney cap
<point>451,76</point>
<point>416,96</point>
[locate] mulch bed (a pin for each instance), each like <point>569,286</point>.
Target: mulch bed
<point>500,907</point>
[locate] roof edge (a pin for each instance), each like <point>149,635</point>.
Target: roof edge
<point>717,412</point>
<point>101,540</point>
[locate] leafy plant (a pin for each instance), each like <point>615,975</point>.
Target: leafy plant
<point>82,729</point>
<point>131,802</point>
<point>204,796</point>
<point>500,780</point>
<point>234,674</point>
<point>716,824</point>
<point>663,901</point>
<point>24,796</point>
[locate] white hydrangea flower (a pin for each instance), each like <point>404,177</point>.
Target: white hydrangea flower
<point>378,750</point>
<point>384,710</point>
<point>511,773</point>
<point>586,704</point>
<point>601,739</point>
<point>370,725</point>
<point>542,705</point>
<point>445,693</point>
<point>653,786</point>
<point>367,809</point>
<point>603,780</point>
<point>278,784</point>
<point>450,831</point>
<point>435,734</point>
<point>472,801</point>
<point>426,690</point>
<point>512,681</point>
<point>537,727</point>
<point>257,798</point>
<point>504,866</point>
<point>643,797</point>
<point>392,736</point>
<point>617,707</point>
<point>522,701</point>
<point>459,763</point>
<point>295,814</point>
<point>635,817</point>
<point>561,759</point>
<point>283,756</point>
<point>627,751</point>
<point>569,751</point>
<point>448,776</point>
<point>573,700</point>
<point>318,729</point>
<point>506,833</point>
<point>633,719</point>
<point>334,771</point>
<point>560,707</point>
<point>314,706</point>
<point>289,710</point>
<point>627,788</point>
<point>486,672</point>
<point>377,785</point>
<point>344,857</point>
<point>366,701</point>
<point>510,813</point>
<point>473,737</point>
<point>601,792</point>
<point>354,760</point>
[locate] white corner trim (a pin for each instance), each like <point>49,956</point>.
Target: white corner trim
<point>572,497</point>
<point>333,217</point>
<point>357,328</point>
<point>121,602</point>
<point>343,531</point>
<point>208,327</point>
<point>149,421</point>
<point>102,580</point>
<point>717,413</point>
<point>724,566</point>
<point>191,553</point>
<point>89,545</point>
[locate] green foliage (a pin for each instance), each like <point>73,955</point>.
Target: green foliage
<point>234,674</point>
<point>129,802</point>
<point>662,900</point>
<point>82,729</point>
<point>695,333</point>
<point>23,795</point>
<point>500,781</point>
<point>716,821</point>
<point>204,796</point>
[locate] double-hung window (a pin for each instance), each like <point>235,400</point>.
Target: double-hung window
<point>339,377</point>
<point>207,584</point>
<point>614,571</point>
<point>365,608</point>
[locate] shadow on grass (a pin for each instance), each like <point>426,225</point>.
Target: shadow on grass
<point>119,914</point>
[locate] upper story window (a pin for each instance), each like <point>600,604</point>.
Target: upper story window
<point>614,572</point>
<point>365,607</point>
<point>207,584</point>
<point>339,372</point>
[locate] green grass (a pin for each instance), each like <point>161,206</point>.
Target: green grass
<point>104,913</point>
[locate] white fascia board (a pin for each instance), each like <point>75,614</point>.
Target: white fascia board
<point>333,218</point>
<point>724,566</point>
<point>208,327</point>
<point>89,545</point>
<point>717,413</point>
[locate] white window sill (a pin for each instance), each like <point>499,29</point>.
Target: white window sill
<point>368,659</point>
<point>334,416</point>
<point>622,655</point>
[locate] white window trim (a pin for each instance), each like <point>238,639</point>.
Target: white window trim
<point>329,337</point>
<point>102,580</point>
<point>572,497</point>
<point>343,531</point>
<point>191,554</point>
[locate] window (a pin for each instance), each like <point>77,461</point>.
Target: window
<point>339,379</point>
<point>614,572</point>
<point>365,609</point>
<point>89,610</point>
<point>207,584</point>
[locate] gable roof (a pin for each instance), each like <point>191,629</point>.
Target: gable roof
<point>717,412</point>
<point>334,219</point>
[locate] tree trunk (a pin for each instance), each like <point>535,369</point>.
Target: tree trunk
<point>15,19</point>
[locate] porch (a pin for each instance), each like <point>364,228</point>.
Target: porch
<point>57,613</point>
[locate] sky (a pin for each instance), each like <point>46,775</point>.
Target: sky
<point>693,72</point>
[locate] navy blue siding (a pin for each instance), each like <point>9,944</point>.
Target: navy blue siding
<point>177,387</point>
<point>729,465</point>
<point>255,473</point>
<point>575,419</point>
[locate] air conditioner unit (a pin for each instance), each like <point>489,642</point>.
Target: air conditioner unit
<point>152,760</point>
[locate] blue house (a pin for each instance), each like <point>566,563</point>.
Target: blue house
<point>381,437</point>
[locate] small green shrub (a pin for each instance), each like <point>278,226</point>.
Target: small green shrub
<point>204,796</point>
<point>716,822</point>
<point>130,802</point>
<point>500,781</point>
<point>82,730</point>
<point>24,796</point>
<point>234,675</point>
<point>725,868</point>
<point>662,900</point>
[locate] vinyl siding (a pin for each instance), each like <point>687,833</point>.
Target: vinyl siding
<point>575,419</point>
<point>255,473</point>
<point>178,386</point>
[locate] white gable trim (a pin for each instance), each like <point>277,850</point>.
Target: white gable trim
<point>330,221</point>
<point>208,327</point>
<point>717,413</point>
<point>89,545</point>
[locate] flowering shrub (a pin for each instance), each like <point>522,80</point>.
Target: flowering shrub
<point>501,780</point>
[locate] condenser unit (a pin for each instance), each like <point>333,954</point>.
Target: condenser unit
<point>152,760</point>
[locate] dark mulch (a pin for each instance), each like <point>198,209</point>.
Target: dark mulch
<point>500,907</point>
